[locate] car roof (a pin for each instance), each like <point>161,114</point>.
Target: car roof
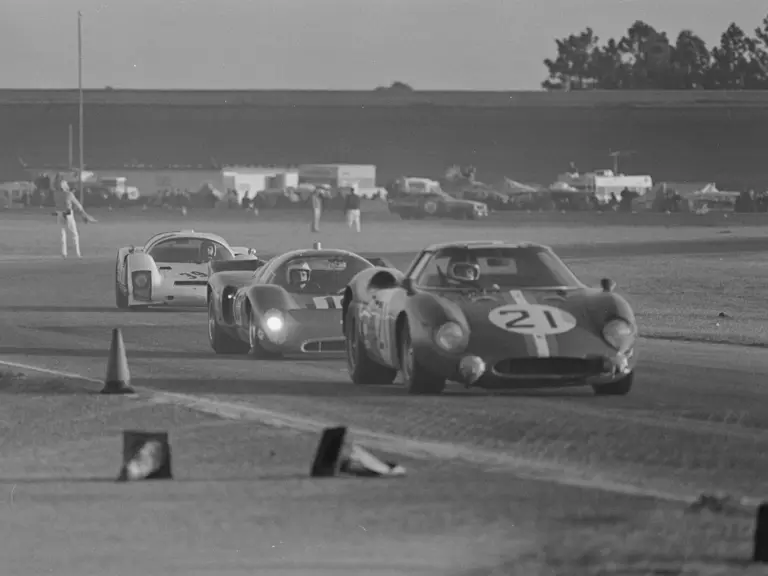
<point>484,244</point>
<point>185,234</point>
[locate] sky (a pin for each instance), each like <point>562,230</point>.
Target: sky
<point>322,44</point>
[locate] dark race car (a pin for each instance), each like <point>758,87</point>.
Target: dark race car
<point>489,315</point>
<point>289,305</point>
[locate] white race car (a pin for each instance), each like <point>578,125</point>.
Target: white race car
<point>172,268</point>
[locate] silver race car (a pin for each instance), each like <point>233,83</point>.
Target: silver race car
<point>172,269</point>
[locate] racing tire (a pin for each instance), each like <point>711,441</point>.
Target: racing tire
<point>255,349</point>
<point>362,369</point>
<point>418,380</point>
<point>619,388</point>
<point>121,299</point>
<point>221,342</point>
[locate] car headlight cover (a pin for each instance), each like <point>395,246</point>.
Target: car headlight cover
<point>273,320</point>
<point>450,336</point>
<point>620,334</point>
<point>141,280</point>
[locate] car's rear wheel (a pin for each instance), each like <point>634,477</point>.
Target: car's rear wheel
<point>619,388</point>
<point>418,379</point>
<point>362,369</point>
<point>221,342</point>
<point>256,349</point>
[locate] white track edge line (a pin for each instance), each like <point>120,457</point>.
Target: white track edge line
<point>524,468</point>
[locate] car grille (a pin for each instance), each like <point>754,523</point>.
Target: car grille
<point>190,283</point>
<point>320,346</point>
<point>549,367</point>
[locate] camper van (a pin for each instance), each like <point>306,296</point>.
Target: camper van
<point>603,183</point>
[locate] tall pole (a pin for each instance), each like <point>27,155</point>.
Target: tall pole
<point>80,92</point>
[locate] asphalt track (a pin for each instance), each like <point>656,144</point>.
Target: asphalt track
<point>695,420</point>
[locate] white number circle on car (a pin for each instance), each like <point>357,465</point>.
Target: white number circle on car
<point>430,207</point>
<point>532,319</point>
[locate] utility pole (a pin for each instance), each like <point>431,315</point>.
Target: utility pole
<point>80,92</point>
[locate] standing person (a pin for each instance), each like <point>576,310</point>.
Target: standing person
<point>65,203</point>
<point>352,208</point>
<point>317,207</point>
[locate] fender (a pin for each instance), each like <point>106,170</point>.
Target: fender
<point>268,296</point>
<point>138,261</point>
<point>120,266</point>
<point>359,288</point>
<point>427,312</point>
<point>606,306</point>
<point>219,281</point>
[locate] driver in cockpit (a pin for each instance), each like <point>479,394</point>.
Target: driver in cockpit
<point>207,251</point>
<point>298,274</point>
<point>463,268</point>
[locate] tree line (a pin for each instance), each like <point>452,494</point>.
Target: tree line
<point>645,59</point>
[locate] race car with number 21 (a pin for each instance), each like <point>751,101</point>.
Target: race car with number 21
<point>491,315</point>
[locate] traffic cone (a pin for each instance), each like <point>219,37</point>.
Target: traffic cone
<point>146,456</point>
<point>334,456</point>
<point>760,550</point>
<point>118,380</point>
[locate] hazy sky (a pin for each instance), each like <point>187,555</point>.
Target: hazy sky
<point>322,44</point>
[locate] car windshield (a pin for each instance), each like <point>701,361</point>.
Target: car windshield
<point>319,274</point>
<point>461,267</point>
<point>189,251</point>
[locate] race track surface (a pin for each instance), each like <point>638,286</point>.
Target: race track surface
<point>697,419</point>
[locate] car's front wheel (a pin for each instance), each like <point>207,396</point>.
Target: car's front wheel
<point>362,369</point>
<point>418,379</point>
<point>619,388</point>
<point>257,350</point>
<point>221,342</point>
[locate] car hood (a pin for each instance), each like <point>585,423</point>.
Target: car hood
<point>317,301</point>
<point>183,271</point>
<point>519,323</point>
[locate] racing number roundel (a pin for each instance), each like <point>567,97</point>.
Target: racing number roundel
<point>532,319</point>
<point>430,207</point>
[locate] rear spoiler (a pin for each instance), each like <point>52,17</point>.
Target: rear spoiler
<point>249,265</point>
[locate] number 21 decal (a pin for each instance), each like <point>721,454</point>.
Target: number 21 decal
<point>532,319</point>
<point>194,275</point>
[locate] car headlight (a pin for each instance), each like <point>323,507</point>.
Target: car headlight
<point>450,336</point>
<point>620,334</point>
<point>141,280</point>
<point>274,321</point>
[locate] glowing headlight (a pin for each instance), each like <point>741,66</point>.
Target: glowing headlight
<point>619,334</point>
<point>141,280</point>
<point>449,336</point>
<point>273,321</point>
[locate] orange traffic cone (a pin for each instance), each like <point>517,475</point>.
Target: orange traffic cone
<point>118,380</point>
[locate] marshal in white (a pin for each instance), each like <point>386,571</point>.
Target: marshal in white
<point>532,319</point>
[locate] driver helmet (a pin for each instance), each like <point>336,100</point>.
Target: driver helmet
<point>298,272</point>
<point>207,250</point>
<point>464,267</point>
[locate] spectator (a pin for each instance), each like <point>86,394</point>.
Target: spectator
<point>352,207</point>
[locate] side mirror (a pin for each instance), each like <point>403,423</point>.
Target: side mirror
<point>408,284</point>
<point>607,285</point>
